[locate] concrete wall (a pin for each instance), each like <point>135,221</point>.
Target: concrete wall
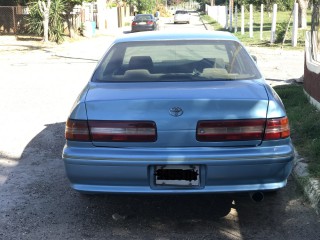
<point>218,13</point>
<point>311,82</point>
<point>112,18</point>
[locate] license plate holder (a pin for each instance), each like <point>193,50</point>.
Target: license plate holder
<point>177,175</point>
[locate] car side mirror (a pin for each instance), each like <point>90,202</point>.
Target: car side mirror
<point>254,58</point>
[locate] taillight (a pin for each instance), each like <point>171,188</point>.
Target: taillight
<point>149,22</point>
<point>123,131</point>
<point>277,128</point>
<point>134,23</point>
<point>77,130</point>
<point>230,130</point>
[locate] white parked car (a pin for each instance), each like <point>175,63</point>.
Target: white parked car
<point>181,16</point>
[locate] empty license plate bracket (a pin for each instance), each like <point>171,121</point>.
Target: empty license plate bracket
<point>177,175</point>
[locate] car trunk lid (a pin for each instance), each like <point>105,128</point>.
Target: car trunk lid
<point>176,108</point>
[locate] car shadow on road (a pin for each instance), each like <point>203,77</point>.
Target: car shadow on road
<point>36,198</point>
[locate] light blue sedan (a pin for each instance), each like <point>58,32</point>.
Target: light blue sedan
<point>171,113</point>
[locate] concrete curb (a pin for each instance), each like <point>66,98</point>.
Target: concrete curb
<point>206,25</point>
<point>310,186</point>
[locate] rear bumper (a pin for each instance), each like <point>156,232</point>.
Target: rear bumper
<point>112,170</point>
<point>181,20</point>
<point>142,28</point>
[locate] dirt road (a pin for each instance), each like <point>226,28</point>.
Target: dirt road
<point>38,85</point>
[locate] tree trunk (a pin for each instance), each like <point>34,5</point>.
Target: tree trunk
<point>45,11</point>
<point>70,26</point>
<point>302,21</point>
<point>45,23</point>
<point>71,30</point>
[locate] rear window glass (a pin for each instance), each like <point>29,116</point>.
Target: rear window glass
<point>143,17</point>
<point>181,12</point>
<point>206,60</point>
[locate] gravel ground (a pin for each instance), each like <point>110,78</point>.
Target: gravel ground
<point>38,85</point>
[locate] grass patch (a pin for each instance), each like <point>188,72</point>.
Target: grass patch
<point>216,26</point>
<point>282,18</point>
<point>304,123</point>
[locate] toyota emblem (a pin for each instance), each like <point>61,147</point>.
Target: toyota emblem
<point>176,111</point>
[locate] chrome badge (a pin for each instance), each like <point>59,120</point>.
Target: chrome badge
<point>176,111</point>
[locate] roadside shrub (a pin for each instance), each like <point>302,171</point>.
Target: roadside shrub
<point>34,20</point>
<point>281,31</point>
<point>56,30</point>
<point>56,26</point>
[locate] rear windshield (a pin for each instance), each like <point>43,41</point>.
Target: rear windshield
<point>143,17</point>
<point>181,12</point>
<point>205,60</point>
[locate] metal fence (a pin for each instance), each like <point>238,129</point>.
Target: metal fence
<point>11,19</point>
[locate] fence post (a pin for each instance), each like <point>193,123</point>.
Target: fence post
<point>227,17</point>
<point>242,19</point>
<point>230,15</point>
<point>274,23</point>
<point>294,39</point>
<point>251,22</point>
<point>236,18</point>
<point>14,20</point>
<point>261,23</point>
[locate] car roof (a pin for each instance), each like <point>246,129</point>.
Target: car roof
<point>181,10</point>
<point>165,35</point>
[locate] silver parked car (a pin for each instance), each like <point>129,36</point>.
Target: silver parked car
<point>171,113</point>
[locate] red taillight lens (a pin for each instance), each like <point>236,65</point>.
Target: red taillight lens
<point>277,129</point>
<point>77,130</point>
<point>123,131</point>
<point>230,130</point>
<point>134,23</point>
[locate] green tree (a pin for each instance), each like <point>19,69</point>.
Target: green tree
<point>143,6</point>
<point>57,20</point>
<point>315,21</point>
<point>46,19</point>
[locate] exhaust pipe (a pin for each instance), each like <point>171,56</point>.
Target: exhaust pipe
<point>257,196</point>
